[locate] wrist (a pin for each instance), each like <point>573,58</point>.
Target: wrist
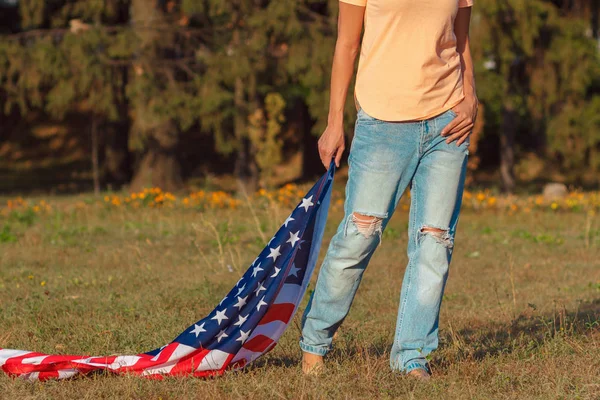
<point>471,96</point>
<point>335,120</point>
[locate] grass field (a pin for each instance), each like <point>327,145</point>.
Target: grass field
<point>520,317</point>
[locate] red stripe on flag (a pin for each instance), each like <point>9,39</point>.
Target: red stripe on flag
<point>278,312</point>
<point>259,344</point>
<point>44,376</point>
<point>189,364</point>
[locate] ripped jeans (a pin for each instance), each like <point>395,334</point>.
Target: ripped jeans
<point>385,158</point>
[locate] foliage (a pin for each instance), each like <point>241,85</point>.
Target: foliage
<point>235,72</point>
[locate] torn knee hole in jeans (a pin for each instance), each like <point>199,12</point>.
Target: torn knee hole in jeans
<point>442,236</point>
<point>367,225</point>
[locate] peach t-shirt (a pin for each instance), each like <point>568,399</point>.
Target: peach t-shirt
<point>409,68</point>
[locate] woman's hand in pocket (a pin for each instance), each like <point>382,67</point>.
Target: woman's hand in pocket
<point>461,127</point>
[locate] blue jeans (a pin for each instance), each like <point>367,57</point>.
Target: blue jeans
<point>386,157</point>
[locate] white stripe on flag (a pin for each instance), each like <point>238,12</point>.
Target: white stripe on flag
<point>88,361</point>
<point>66,373</point>
<point>32,376</point>
<point>214,360</point>
<point>289,293</point>
<point>124,361</point>
<point>33,360</point>
<point>182,350</point>
<point>5,354</point>
<point>272,329</point>
<point>158,370</point>
<point>245,354</point>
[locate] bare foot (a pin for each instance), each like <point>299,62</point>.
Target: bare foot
<point>312,364</point>
<point>420,373</point>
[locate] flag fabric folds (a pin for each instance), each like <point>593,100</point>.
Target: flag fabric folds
<point>246,324</point>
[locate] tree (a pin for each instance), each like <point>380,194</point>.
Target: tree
<point>534,65</point>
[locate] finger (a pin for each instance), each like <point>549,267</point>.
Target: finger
<point>338,156</point>
<point>451,125</point>
<point>460,124</point>
<point>323,158</point>
<point>463,138</point>
<point>459,134</point>
<point>325,162</point>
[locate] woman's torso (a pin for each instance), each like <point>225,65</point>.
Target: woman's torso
<point>409,68</point>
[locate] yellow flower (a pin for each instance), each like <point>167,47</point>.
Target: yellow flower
<point>554,206</point>
<point>43,283</point>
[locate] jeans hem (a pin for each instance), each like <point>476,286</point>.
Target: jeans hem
<point>320,351</point>
<point>416,364</point>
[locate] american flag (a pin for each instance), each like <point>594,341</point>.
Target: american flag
<point>246,324</point>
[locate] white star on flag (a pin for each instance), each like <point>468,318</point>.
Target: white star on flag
<point>238,282</point>
<point>221,335</point>
<point>306,203</point>
<point>243,336</point>
<point>261,303</point>
<point>241,302</point>
<point>256,270</point>
<point>260,288</point>
<point>198,329</point>
<point>220,316</point>
<point>240,290</point>
<point>224,298</point>
<point>288,220</point>
<point>274,253</point>
<point>293,238</point>
<point>241,320</point>
<point>294,270</point>
<point>276,272</point>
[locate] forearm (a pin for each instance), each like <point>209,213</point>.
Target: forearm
<point>467,71</point>
<point>341,75</point>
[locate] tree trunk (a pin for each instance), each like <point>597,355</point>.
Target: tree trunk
<point>507,144</point>
<point>95,162</point>
<point>159,166</point>
<point>117,159</point>
<point>246,170</point>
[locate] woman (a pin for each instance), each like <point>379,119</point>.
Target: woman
<point>416,102</point>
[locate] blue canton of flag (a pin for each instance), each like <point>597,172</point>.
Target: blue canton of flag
<point>246,324</point>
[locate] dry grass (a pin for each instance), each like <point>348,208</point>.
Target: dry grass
<point>520,318</point>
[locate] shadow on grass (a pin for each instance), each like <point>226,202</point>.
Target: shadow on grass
<point>527,332</point>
